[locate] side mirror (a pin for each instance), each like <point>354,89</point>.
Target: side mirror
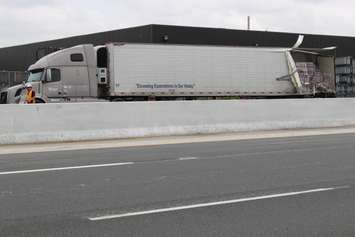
<point>46,76</point>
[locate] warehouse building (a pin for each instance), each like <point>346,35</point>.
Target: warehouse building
<point>18,58</point>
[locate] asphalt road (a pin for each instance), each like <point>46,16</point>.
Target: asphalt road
<point>303,186</point>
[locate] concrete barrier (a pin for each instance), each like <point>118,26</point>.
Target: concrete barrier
<point>94,121</point>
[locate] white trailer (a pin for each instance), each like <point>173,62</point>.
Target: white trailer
<point>182,70</point>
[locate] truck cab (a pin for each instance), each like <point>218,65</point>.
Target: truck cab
<point>65,75</point>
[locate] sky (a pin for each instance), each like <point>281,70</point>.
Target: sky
<point>26,21</point>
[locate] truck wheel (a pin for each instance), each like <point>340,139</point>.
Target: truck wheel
<point>117,100</point>
<point>39,101</point>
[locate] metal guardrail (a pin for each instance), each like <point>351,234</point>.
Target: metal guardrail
<point>11,78</point>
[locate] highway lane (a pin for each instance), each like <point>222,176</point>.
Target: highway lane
<point>62,191</point>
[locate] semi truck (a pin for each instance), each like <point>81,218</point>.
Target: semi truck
<point>140,71</point>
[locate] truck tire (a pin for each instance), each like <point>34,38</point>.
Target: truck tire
<point>117,100</point>
<point>39,101</point>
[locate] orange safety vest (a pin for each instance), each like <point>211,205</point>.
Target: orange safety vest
<point>30,97</point>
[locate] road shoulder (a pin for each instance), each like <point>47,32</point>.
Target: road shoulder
<point>155,141</point>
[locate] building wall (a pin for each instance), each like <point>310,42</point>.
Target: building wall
<point>195,35</point>
<point>18,58</point>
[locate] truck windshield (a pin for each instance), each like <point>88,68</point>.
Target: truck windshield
<point>35,75</point>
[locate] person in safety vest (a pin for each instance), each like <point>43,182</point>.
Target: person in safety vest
<point>30,94</point>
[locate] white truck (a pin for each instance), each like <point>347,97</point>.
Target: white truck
<point>137,71</point>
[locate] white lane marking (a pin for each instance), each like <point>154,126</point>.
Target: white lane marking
<point>64,168</point>
<point>209,204</point>
<point>188,158</point>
